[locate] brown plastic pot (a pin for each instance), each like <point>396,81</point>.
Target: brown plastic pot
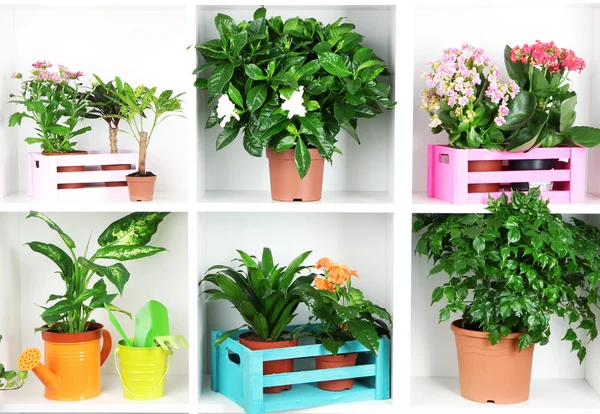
<point>492,373</point>
<point>337,361</point>
<point>141,188</point>
<point>73,168</point>
<point>272,367</point>
<point>115,167</point>
<point>286,184</point>
<point>484,165</point>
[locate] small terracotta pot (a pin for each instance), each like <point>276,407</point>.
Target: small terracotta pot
<point>141,188</point>
<point>286,184</point>
<point>272,367</point>
<point>485,165</point>
<point>115,167</point>
<point>492,373</point>
<point>74,168</point>
<point>337,361</point>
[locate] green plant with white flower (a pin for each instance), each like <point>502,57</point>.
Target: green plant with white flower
<point>293,84</point>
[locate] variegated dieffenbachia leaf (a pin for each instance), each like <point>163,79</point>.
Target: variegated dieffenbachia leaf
<point>116,274</point>
<point>57,255</point>
<point>120,252</point>
<point>133,229</point>
<point>68,241</point>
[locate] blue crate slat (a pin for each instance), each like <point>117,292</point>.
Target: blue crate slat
<point>304,377</point>
<point>238,375</point>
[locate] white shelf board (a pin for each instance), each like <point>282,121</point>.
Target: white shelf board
<point>423,204</point>
<point>30,399</point>
<point>20,202</point>
<point>214,402</point>
<point>430,395</point>
<point>331,202</point>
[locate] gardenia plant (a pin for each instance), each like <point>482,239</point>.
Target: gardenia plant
<point>512,269</point>
<point>56,102</point>
<point>545,111</point>
<point>465,98</point>
<point>125,239</point>
<point>291,84</point>
<point>342,311</point>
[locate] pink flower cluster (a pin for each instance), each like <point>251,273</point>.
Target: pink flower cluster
<point>40,72</point>
<point>547,55</point>
<point>454,79</point>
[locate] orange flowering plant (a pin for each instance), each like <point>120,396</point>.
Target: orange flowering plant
<point>343,312</point>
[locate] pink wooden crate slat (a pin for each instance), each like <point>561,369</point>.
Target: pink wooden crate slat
<point>93,158</point>
<point>448,175</point>
<point>517,176</point>
<point>92,176</point>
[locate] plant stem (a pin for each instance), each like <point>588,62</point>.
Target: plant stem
<point>112,137</point>
<point>142,155</point>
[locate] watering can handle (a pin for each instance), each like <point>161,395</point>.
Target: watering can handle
<point>106,346</point>
<point>157,385</point>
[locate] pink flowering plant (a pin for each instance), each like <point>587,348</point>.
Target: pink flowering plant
<point>547,104</point>
<point>465,98</point>
<point>56,101</point>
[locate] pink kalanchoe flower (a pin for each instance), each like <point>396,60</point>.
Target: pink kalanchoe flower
<point>499,120</point>
<point>73,75</point>
<point>42,64</point>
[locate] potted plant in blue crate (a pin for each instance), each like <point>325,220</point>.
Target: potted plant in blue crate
<point>266,296</point>
<point>344,315</point>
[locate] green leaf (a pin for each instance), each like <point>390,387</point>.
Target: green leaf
<point>333,64</point>
<point>254,72</point>
<point>57,255</point>
<point>350,129</point>
<point>66,239</point>
<point>15,119</point>
<point>285,78</point>
<point>302,157</point>
<point>526,138</point>
<point>521,109</point>
<point>494,337</point>
<point>225,25</point>
<point>219,78</point>
<point>365,333</point>
<point>313,124</point>
<point>260,13</point>
<point>294,27</point>
<point>344,112</point>
<point>479,244</point>
<point>585,136</point>
<point>127,252</point>
<point>567,113</point>
<point>309,69</point>
<point>257,28</point>
<point>59,309</point>
<point>223,337</point>
<point>237,43</point>
<point>516,70</point>
<point>235,95</point>
<point>227,136</point>
<point>285,143</point>
<point>256,97</point>
<point>133,229</point>
<point>116,274</point>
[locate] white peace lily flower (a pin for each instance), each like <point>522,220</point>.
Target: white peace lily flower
<point>295,105</point>
<point>226,110</point>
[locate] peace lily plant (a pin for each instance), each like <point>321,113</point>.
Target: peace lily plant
<point>290,85</point>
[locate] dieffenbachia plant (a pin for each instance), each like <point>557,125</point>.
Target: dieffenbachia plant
<point>125,239</point>
<point>292,84</point>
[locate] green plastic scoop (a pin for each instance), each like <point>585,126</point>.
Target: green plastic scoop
<point>152,320</point>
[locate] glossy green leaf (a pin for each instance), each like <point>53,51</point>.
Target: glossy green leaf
<point>57,255</point>
<point>302,158</point>
<point>235,95</point>
<point>333,64</point>
<point>66,239</point>
<point>116,274</point>
<point>256,97</point>
<point>133,229</point>
<point>127,252</point>
<point>219,78</point>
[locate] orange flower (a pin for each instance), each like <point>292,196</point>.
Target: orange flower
<point>339,274</point>
<point>322,284</point>
<point>354,273</point>
<point>324,263</point>
<point>344,327</point>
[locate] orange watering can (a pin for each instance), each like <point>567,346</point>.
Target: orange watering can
<point>72,363</point>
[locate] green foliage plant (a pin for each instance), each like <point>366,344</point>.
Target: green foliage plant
<point>124,239</point>
<point>512,269</point>
<point>292,84</point>
<point>11,380</point>
<point>103,103</point>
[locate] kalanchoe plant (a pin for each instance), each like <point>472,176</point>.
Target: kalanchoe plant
<point>291,84</point>
<point>265,294</point>
<point>11,380</point>
<point>545,113</point>
<point>342,311</point>
<point>464,97</point>
<point>141,104</point>
<point>125,239</point>
<point>104,103</point>
<point>512,269</point>
<point>56,102</point>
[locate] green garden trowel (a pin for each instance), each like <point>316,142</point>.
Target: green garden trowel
<point>151,320</point>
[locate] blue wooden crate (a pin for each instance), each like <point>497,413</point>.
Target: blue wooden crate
<point>237,373</point>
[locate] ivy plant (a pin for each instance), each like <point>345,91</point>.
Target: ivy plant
<point>124,239</point>
<point>512,269</point>
<point>11,380</point>
<point>290,84</point>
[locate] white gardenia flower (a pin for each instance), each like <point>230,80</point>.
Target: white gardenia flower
<point>226,110</point>
<point>295,105</point>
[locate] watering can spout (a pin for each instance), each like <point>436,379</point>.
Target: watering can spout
<point>30,361</point>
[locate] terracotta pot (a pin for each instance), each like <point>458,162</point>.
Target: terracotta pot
<point>272,367</point>
<point>337,361</point>
<point>286,184</point>
<point>115,167</point>
<point>141,188</point>
<point>480,166</point>
<point>492,373</point>
<point>74,168</point>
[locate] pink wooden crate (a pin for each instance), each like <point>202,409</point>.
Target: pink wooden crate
<point>43,177</point>
<point>448,177</point>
